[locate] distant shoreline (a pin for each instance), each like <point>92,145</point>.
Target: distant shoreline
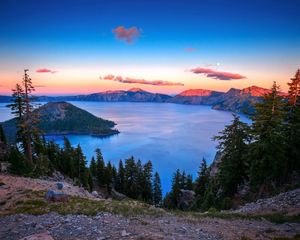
<point>116,132</point>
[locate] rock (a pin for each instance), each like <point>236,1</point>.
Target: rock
<point>3,186</point>
<point>4,167</point>
<point>124,233</point>
<point>59,186</point>
<point>39,236</point>
<point>95,194</point>
<point>214,167</point>
<point>186,199</point>
<point>101,238</point>
<point>57,176</point>
<point>116,195</point>
<point>56,196</point>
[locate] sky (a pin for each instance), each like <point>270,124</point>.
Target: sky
<point>85,46</point>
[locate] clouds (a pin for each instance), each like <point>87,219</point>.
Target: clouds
<point>45,70</point>
<point>210,73</point>
<point>190,49</point>
<point>111,77</point>
<point>128,35</point>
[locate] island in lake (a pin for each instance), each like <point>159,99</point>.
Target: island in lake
<point>65,118</point>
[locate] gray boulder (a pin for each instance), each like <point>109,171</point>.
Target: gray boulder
<point>53,196</point>
<point>116,195</point>
<point>95,194</point>
<point>186,199</point>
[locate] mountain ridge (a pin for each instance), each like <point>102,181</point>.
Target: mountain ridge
<point>235,100</point>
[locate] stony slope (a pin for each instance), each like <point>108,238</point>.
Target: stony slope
<point>287,202</point>
<point>86,218</point>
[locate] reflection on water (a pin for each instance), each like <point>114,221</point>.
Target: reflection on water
<point>172,136</point>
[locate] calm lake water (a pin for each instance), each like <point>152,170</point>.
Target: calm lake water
<point>172,136</point>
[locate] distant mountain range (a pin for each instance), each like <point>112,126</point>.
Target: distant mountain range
<point>235,100</point>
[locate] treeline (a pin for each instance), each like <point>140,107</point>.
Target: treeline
<point>258,159</point>
<point>132,178</point>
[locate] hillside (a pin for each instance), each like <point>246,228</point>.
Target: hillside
<point>235,100</point>
<point>196,97</point>
<point>65,118</point>
<point>25,212</point>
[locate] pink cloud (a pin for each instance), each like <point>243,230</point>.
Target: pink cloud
<point>190,49</point>
<point>111,77</point>
<point>45,70</point>
<point>128,35</point>
<point>217,74</point>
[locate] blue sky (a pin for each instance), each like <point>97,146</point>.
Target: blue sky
<point>257,39</point>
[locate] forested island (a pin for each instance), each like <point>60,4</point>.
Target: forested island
<point>64,118</point>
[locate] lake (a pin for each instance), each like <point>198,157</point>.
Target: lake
<point>172,136</point>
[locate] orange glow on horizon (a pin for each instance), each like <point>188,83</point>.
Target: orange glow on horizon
<point>86,81</point>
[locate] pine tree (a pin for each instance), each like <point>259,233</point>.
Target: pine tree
<point>93,167</point>
<point>209,199</point>
<point>147,185</point>
<point>80,166</point>
<point>18,105</point>
<point>19,165</point>
<point>120,184</point>
<point>41,166</point>
<point>108,177</point>
<point>39,145</point>
<point>67,161</point>
<point>294,89</point>
<point>29,129</point>
<point>189,182</point>
<point>183,180</point>
<point>267,151</point>
<point>168,202</point>
<point>292,126</point>
<point>201,184</point>
<point>157,192</point>
<point>53,152</point>
<point>26,118</point>
<point>100,167</point>
<point>203,179</point>
<point>140,180</point>
<point>233,145</point>
<point>176,186</point>
<point>131,174</point>
<point>2,135</point>
<point>114,174</point>
<point>90,181</point>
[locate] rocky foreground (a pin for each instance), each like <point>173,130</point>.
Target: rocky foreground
<point>25,214</point>
<point>111,226</point>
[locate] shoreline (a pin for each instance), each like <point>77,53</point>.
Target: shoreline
<point>116,132</point>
